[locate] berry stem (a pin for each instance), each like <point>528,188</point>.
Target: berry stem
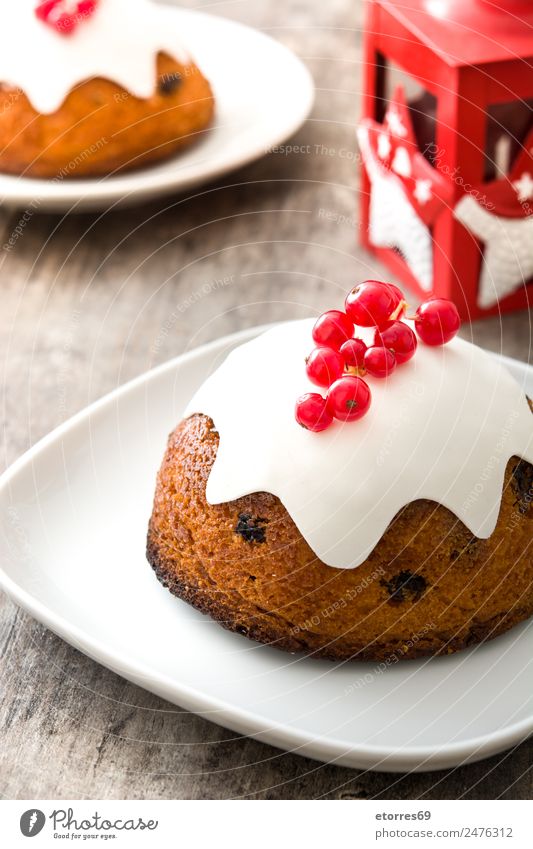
<point>400,309</point>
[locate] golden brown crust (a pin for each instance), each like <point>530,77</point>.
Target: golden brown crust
<point>428,587</point>
<point>100,128</point>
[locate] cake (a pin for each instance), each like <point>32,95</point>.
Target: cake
<point>401,531</point>
<point>94,87</point>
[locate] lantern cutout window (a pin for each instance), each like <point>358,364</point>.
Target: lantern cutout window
<point>446,140</point>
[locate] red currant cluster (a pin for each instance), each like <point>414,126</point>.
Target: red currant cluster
<point>64,15</point>
<point>340,361</point>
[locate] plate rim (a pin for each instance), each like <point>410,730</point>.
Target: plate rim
<point>113,191</point>
<point>327,749</point>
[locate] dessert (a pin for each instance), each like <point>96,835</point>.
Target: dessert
<point>93,87</point>
<point>395,522</point>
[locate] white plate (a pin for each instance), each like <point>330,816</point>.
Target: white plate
<point>263,94</point>
<point>73,521</point>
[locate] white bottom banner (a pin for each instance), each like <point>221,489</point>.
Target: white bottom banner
<point>268,824</point>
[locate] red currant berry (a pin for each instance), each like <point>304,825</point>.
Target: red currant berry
<point>324,365</point>
<point>402,303</point>
<point>396,291</point>
<point>312,413</point>
<point>372,303</point>
<point>398,338</point>
<point>437,321</point>
<point>353,354</point>
<point>379,361</point>
<point>332,329</point>
<point>64,16</point>
<point>348,398</point>
<point>87,7</point>
<point>44,8</point>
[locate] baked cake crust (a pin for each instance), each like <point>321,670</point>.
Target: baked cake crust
<point>429,586</point>
<point>101,128</point>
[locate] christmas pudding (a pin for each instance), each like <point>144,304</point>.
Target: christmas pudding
<point>369,500</point>
<point>95,86</point>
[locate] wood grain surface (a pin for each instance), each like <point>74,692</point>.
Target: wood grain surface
<point>89,301</point>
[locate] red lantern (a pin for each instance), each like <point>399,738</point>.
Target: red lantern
<point>447,183</point>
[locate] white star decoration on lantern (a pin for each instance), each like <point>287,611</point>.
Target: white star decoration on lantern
<point>422,191</point>
<point>508,255</point>
<point>393,223</point>
<point>384,146</point>
<point>395,123</point>
<point>524,187</point>
<point>499,215</point>
<point>401,162</point>
<point>407,193</point>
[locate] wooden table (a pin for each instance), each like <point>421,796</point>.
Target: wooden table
<point>92,300</point>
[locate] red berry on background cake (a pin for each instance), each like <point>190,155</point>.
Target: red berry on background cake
<point>437,321</point>
<point>65,15</point>
<point>353,354</point>
<point>324,365</point>
<point>379,361</point>
<point>332,329</point>
<point>312,413</point>
<point>348,398</point>
<point>373,303</point>
<point>398,338</point>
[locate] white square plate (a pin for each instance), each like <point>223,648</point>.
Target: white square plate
<point>74,512</point>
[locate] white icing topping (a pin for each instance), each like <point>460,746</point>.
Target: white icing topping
<point>442,427</point>
<point>119,42</point>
